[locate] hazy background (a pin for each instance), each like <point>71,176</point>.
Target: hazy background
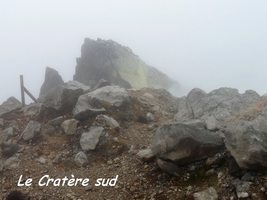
<point>200,43</point>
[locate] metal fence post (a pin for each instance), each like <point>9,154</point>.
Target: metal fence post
<point>22,90</point>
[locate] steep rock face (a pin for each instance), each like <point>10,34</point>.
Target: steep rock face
<point>52,80</point>
<point>106,59</point>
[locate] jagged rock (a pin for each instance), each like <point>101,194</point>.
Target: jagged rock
<point>106,121</point>
<point>208,194</point>
<point>90,139</point>
<point>106,59</point>
<point>31,131</point>
<point>221,104</point>
<point>81,159</point>
<point>95,102</point>
<point>52,80</point>
<point>182,144</point>
<point>65,96</point>
<point>69,126</point>
<point>248,146</point>
<point>10,105</point>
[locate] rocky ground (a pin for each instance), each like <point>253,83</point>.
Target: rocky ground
<point>117,132</point>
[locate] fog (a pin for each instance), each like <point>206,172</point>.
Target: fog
<point>206,44</point>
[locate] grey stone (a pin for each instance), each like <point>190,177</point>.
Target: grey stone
<point>84,110</point>
<point>81,159</point>
<point>247,145</point>
<point>9,105</point>
<point>184,111</point>
<point>31,131</point>
<point>69,126</point>
<point>89,140</point>
<point>208,194</point>
<point>64,96</point>
<point>221,104</point>
<point>111,95</point>
<point>97,101</point>
<point>52,80</point>
<point>183,144</point>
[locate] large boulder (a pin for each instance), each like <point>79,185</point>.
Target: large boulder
<point>106,59</point>
<point>247,145</point>
<point>97,101</point>
<point>65,96</point>
<point>182,144</point>
<point>52,80</point>
<point>10,105</point>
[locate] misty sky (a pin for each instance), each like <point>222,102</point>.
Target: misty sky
<point>201,43</point>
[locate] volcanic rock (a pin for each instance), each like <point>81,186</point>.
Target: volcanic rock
<point>52,80</point>
<point>183,144</point>
<point>65,96</point>
<point>106,59</point>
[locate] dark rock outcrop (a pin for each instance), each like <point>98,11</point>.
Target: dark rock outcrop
<point>52,80</point>
<point>106,59</point>
<point>182,144</point>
